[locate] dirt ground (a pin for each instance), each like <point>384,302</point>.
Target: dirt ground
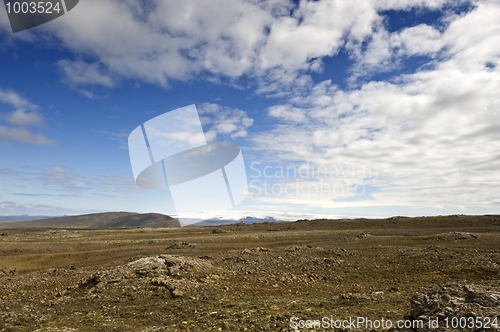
<point>237,277</point>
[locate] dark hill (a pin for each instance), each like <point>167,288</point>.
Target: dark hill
<point>100,220</point>
<point>153,220</point>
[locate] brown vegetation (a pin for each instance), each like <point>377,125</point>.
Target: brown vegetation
<point>253,277</point>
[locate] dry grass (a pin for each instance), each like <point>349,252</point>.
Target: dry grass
<point>313,269</point>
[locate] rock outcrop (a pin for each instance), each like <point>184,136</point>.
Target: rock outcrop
<point>455,306</point>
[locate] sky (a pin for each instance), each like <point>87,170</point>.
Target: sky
<point>368,108</point>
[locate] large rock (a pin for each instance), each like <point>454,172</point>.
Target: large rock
<point>476,303</point>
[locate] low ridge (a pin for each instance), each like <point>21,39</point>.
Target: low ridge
<point>100,220</point>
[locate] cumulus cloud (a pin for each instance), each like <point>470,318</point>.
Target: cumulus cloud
<point>25,114</point>
<point>275,42</point>
<point>160,41</point>
<point>385,51</point>
<point>408,4</point>
<point>433,135</point>
<point>220,120</point>
<point>287,113</point>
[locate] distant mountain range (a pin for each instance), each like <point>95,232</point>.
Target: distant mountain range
<point>118,220</point>
<point>246,220</point>
<point>92,221</point>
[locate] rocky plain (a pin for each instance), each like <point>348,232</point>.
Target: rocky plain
<point>260,277</point>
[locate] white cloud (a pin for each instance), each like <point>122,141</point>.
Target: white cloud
<point>87,93</point>
<point>408,4</point>
<point>473,39</point>
<point>224,121</point>
<point>21,135</point>
<point>385,51</point>
<point>25,115</point>
<point>419,40</point>
<point>14,99</point>
<point>287,113</point>
<point>382,51</point>
<point>433,135</point>
<point>276,42</point>
<point>23,118</point>
<point>315,30</point>
<point>79,72</point>
<point>159,41</point>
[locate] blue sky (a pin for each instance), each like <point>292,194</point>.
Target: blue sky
<point>388,107</point>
